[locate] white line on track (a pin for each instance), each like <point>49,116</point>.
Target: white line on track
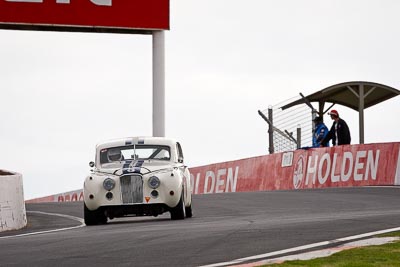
<point>50,231</point>
<point>305,247</point>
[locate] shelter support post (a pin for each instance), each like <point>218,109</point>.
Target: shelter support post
<point>158,84</point>
<point>361,113</point>
<point>321,106</point>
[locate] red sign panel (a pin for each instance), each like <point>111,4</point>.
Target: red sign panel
<point>85,15</point>
<point>342,166</point>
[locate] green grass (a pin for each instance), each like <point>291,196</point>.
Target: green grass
<point>390,234</point>
<point>387,255</point>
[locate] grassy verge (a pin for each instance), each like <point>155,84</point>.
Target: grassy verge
<point>390,234</point>
<point>387,255</point>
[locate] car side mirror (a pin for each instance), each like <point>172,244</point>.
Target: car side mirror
<point>180,160</point>
<point>91,164</point>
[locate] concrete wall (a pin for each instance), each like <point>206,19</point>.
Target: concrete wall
<point>12,205</point>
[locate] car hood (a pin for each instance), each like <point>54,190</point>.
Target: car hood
<point>136,166</point>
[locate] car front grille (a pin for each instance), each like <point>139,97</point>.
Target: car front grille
<point>131,189</point>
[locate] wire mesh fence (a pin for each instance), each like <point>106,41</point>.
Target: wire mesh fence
<point>289,129</point>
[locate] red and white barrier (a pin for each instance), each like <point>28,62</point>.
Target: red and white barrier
<point>343,166</point>
<point>71,196</point>
<point>12,206</point>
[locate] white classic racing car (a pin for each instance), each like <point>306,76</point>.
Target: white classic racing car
<point>142,176</point>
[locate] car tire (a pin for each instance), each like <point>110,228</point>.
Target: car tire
<point>93,217</point>
<point>189,213</point>
<point>179,212</point>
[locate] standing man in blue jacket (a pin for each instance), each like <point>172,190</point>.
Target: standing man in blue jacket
<point>339,132</point>
<point>321,131</point>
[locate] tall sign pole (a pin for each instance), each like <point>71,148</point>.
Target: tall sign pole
<point>158,84</point>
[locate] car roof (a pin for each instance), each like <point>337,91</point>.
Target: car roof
<point>136,141</point>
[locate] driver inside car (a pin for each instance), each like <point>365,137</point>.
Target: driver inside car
<point>115,155</point>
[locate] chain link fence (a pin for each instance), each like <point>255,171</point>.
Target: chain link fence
<point>289,129</point>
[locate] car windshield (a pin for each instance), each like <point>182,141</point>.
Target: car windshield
<point>134,152</point>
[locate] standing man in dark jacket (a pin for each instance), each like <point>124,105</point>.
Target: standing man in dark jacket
<point>339,132</point>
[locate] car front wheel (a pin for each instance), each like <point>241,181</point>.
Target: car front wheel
<point>93,217</point>
<point>189,213</point>
<point>179,212</point>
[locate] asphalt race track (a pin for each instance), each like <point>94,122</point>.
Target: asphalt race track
<point>224,227</point>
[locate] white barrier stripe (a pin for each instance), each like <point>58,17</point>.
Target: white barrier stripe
<point>50,231</point>
<point>300,248</point>
<point>354,237</point>
<point>397,177</point>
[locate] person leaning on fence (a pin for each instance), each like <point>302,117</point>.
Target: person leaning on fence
<point>339,132</point>
<point>321,131</point>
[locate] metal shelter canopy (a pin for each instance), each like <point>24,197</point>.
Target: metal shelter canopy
<point>357,95</point>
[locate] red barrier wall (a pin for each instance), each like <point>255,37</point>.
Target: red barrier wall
<point>64,197</point>
<point>42,200</point>
<point>343,166</point>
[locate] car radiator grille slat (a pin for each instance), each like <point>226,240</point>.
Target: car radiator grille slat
<point>132,189</point>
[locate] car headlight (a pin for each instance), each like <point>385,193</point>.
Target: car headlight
<point>109,184</point>
<point>154,182</point>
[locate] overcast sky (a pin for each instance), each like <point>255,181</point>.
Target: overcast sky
<point>61,93</point>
